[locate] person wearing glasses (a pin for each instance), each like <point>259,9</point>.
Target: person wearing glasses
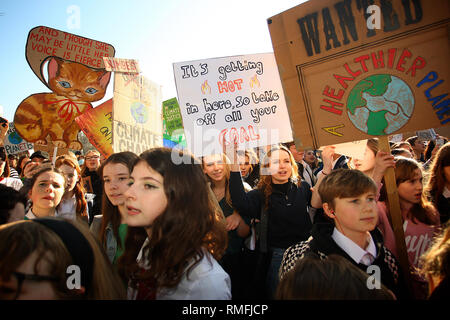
<point>54,259</point>
<point>92,182</point>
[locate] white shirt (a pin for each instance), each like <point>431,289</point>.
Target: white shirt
<point>358,254</point>
<point>67,209</point>
<point>207,281</point>
<point>30,215</point>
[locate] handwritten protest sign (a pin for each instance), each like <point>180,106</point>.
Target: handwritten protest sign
<point>97,126</point>
<point>14,143</point>
<point>173,132</point>
<point>351,72</point>
<point>137,120</point>
<point>72,68</point>
<point>121,65</point>
<point>237,98</point>
<point>44,42</point>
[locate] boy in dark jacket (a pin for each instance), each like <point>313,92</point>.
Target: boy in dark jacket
<point>349,199</point>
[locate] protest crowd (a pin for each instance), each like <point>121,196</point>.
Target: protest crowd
<point>272,223</point>
<point>316,172</point>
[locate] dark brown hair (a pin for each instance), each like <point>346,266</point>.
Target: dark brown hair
<point>437,181</point>
<point>6,170</point>
<point>110,212</point>
<point>423,211</point>
<point>333,278</point>
<point>20,239</point>
<point>345,183</point>
<point>187,227</point>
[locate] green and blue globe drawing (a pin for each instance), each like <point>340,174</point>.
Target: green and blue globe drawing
<point>14,138</point>
<point>139,112</point>
<point>380,104</point>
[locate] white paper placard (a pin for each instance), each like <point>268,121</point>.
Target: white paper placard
<point>238,98</point>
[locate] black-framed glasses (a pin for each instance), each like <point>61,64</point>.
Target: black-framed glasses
<point>12,289</point>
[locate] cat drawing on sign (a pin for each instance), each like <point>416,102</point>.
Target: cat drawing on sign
<point>74,87</point>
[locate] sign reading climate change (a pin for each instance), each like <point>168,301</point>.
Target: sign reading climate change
<point>353,71</point>
<point>232,99</point>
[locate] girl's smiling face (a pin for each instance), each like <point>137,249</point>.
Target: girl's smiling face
<point>213,166</point>
<point>145,199</point>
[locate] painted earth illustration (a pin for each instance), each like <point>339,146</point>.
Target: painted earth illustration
<point>139,112</point>
<point>14,138</point>
<point>380,104</point>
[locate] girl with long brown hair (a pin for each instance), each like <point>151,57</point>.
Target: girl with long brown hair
<point>185,237</point>
<point>111,227</point>
<point>421,219</point>
<point>438,186</point>
<point>73,204</point>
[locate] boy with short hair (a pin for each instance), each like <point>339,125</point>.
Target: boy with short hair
<point>349,199</point>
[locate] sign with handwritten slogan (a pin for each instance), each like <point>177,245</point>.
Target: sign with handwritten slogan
<point>352,70</point>
<point>72,68</point>
<point>97,126</point>
<point>173,131</point>
<point>231,99</point>
<point>121,65</point>
<point>14,143</point>
<point>137,119</point>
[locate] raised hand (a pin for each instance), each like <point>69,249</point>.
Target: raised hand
<point>383,161</point>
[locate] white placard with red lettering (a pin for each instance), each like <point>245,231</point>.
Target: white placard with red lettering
<point>238,98</point>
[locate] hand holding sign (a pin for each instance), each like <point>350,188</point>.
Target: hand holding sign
<point>383,161</point>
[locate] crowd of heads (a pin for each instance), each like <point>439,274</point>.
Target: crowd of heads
<point>173,207</point>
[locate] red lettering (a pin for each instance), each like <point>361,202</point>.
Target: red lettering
<point>332,108</point>
<point>378,62</point>
<point>352,73</point>
<point>405,54</point>
<point>362,61</point>
<point>326,92</point>
<point>342,79</point>
<point>235,136</point>
<point>229,86</point>
<point>391,53</point>
<point>418,63</point>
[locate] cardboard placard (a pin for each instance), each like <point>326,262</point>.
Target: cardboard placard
<point>97,126</point>
<point>347,78</point>
<point>45,42</point>
<point>14,143</point>
<point>137,120</point>
<point>72,68</point>
<point>121,65</point>
<point>238,98</point>
<point>173,123</point>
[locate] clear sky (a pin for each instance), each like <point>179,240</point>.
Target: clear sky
<point>155,32</point>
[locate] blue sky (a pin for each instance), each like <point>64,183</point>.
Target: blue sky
<point>157,33</point>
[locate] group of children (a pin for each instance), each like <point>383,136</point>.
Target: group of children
<point>186,231</point>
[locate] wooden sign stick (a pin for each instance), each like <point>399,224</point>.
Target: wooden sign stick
<point>396,214</point>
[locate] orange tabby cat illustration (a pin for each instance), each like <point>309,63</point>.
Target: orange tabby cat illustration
<point>74,87</point>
